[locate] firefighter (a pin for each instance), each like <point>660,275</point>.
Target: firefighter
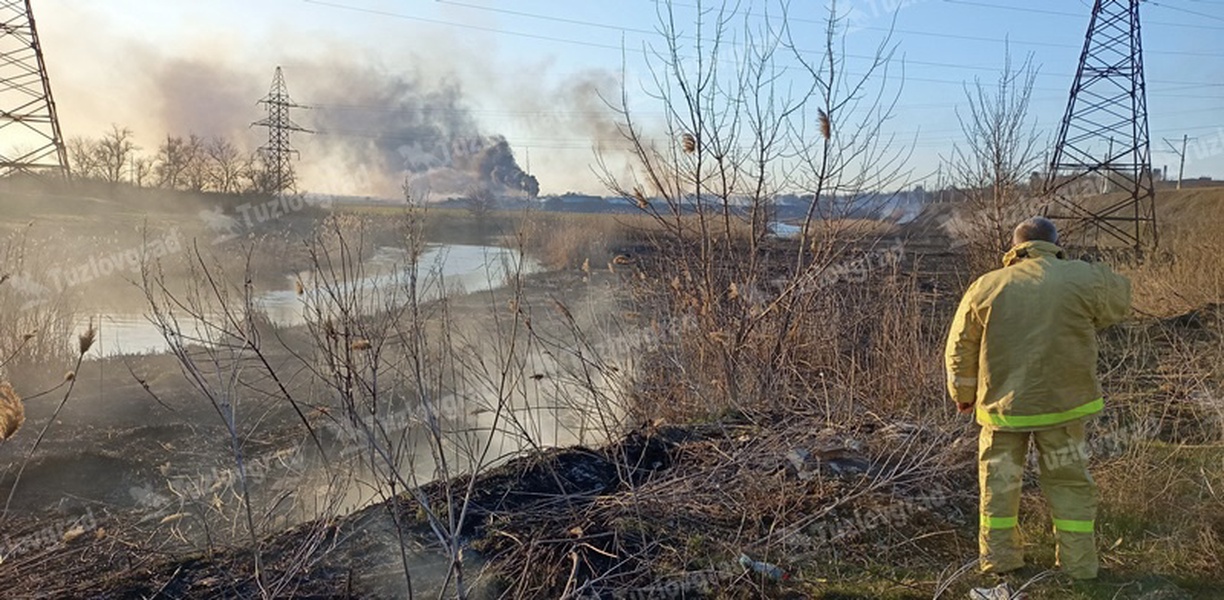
<point>1021,356</point>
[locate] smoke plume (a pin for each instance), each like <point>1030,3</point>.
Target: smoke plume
<point>381,116</point>
<point>405,127</point>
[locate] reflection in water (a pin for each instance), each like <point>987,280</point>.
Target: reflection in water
<point>443,269</point>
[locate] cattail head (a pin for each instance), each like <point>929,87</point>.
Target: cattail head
<point>12,411</point>
<point>73,534</point>
<point>826,127</point>
<point>640,196</point>
<point>85,340</point>
<point>689,143</point>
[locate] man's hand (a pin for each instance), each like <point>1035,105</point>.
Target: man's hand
<point>964,408</point>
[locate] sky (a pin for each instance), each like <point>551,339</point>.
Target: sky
<point>535,71</point>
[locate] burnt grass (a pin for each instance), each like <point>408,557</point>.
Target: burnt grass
<point>326,559</point>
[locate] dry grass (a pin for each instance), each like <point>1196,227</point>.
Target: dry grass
<point>1187,271</point>
<point>851,328</point>
<point>571,240</point>
<point>37,317</point>
<point>1147,496</point>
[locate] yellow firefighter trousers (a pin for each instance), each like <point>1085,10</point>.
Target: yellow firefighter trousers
<point>1063,474</point>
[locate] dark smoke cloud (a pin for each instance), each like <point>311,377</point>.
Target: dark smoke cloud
<point>404,126</point>
<point>496,165</point>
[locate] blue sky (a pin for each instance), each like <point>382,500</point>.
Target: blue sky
<point>501,51</point>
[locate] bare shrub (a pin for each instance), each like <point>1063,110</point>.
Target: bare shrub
<point>400,398</point>
<point>37,318</point>
<point>993,167</point>
<point>736,301</point>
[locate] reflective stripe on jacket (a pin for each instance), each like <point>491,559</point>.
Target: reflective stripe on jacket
<point>1023,342</point>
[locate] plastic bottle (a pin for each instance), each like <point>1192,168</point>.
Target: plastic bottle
<point>769,570</point>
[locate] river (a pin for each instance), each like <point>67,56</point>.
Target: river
<point>443,269</point>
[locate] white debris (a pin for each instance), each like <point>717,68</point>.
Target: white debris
<point>1000,592</point>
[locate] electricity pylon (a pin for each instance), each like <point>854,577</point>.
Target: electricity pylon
<point>30,139</point>
<point>277,154</point>
<point>1103,147</point>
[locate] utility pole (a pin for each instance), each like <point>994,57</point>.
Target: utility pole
<point>1181,156</point>
<point>27,110</point>
<point>277,154</point>
<point>1104,134</point>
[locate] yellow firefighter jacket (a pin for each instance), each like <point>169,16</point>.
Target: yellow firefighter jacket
<point>1023,342</point>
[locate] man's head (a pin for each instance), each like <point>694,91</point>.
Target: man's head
<point>1035,229</point>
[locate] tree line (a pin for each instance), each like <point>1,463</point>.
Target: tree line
<point>190,163</point>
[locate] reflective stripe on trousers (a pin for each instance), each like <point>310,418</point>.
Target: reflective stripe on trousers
<point>1047,420</point>
<point>1063,474</point>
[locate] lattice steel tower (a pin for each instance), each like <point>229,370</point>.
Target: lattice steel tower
<point>278,154</point>
<point>30,139</point>
<point>1103,148</point>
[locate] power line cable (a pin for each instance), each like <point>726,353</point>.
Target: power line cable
<point>967,3</point>
<point>1187,11</point>
<point>359,9</point>
<point>1029,9</point>
<point>570,21</point>
<point>383,13</point>
<point>1022,42</point>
